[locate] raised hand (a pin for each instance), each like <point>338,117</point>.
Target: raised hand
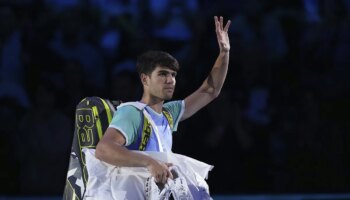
<point>221,33</point>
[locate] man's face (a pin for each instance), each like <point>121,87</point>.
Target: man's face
<point>161,83</point>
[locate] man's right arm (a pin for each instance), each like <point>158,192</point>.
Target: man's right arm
<point>111,149</point>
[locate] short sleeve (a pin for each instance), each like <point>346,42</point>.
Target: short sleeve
<point>176,109</point>
<point>127,120</point>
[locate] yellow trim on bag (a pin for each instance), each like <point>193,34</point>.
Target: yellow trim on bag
<point>108,110</point>
<point>146,133</point>
<point>74,195</point>
<point>98,122</point>
<point>169,118</point>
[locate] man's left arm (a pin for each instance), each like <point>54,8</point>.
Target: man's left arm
<point>212,85</point>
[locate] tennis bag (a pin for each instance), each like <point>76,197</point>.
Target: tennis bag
<point>92,117</point>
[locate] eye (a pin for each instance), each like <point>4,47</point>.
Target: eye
<point>162,74</point>
<point>173,75</point>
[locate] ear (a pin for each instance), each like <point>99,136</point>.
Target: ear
<point>144,79</point>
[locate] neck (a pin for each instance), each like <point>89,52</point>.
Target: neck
<point>155,103</point>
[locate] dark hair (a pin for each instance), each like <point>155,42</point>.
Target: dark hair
<point>148,61</point>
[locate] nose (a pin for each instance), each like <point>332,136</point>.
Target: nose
<point>170,79</point>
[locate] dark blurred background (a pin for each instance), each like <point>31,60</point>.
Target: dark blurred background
<point>280,125</point>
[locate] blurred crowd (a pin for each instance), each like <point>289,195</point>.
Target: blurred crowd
<point>281,122</point>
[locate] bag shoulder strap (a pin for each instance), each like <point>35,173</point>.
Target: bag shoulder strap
<point>147,126</point>
<point>146,129</point>
<point>146,133</point>
<point>169,118</point>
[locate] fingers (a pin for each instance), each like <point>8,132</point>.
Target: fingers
<point>227,25</point>
<point>219,24</point>
<point>163,177</point>
<point>159,178</point>
<point>169,164</point>
<point>216,23</point>
<point>163,173</point>
<point>170,175</point>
